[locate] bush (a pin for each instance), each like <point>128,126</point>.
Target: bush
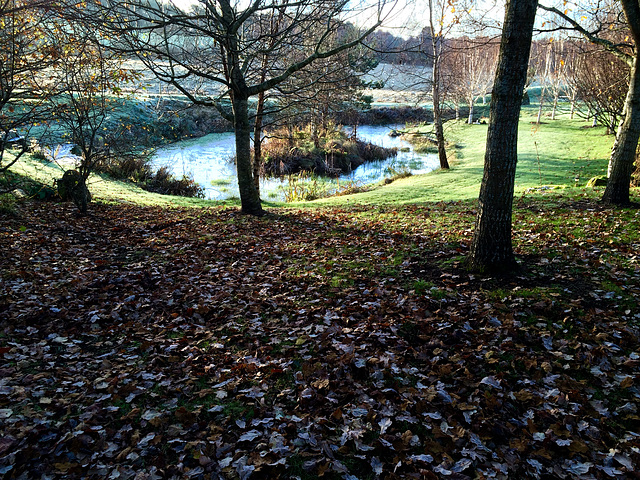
<point>7,204</point>
<point>302,188</point>
<point>135,168</point>
<point>72,186</point>
<point>138,169</point>
<point>165,183</point>
<point>36,150</point>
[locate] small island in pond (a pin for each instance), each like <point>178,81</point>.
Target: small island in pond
<point>332,153</point>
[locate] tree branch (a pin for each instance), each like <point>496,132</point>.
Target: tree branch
<point>591,36</point>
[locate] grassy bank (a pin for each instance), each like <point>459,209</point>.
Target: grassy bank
<point>561,154</point>
<point>30,171</point>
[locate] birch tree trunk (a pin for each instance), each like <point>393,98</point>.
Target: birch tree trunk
<point>436,43</point>
<point>624,150</point>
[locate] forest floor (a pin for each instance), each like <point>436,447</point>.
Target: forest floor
<point>340,342</point>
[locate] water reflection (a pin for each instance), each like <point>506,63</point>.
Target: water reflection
<point>209,160</point>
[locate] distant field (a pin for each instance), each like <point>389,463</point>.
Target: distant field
<point>401,77</point>
<point>403,84</point>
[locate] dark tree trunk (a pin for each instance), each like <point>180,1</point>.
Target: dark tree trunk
<point>491,249</point>
<point>249,197</point>
<point>624,150</point>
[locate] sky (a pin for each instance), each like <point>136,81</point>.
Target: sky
<point>402,17</point>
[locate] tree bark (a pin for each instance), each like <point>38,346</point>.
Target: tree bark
<point>539,117</point>
<point>249,197</point>
<point>437,113</point>
<point>437,123</point>
<point>491,248</point>
<point>257,141</point>
<point>624,150</point>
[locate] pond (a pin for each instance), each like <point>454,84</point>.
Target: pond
<point>209,160</point>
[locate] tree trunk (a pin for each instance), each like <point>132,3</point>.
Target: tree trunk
<point>470,119</point>
<point>624,149</point>
<point>257,142</point>
<point>539,118</point>
<point>573,108</point>
<point>437,113</point>
<point>437,123</point>
<point>611,129</point>
<point>249,197</point>
<point>491,248</point>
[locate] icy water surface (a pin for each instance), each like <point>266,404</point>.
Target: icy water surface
<point>209,160</point>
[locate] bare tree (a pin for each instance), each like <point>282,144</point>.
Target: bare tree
<point>90,80</point>
<point>437,12</point>
<point>224,43</point>
<point>557,72</point>
<point>601,21</point>
<point>541,65</point>
<point>601,81</point>
<point>471,65</point>
<point>571,74</point>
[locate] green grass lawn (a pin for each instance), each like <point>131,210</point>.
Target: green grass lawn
<point>561,153</point>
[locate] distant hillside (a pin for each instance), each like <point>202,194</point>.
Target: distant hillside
<point>403,84</point>
<point>412,78</point>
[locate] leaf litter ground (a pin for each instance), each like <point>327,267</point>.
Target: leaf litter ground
<point>347,343</point>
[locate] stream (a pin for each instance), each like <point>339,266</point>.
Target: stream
<point>209,160</point>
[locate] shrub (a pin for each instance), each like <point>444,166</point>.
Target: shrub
<point>165,183</point>
<point>7,204</point>
<point>135,168</point>
<point>302,188</point>
<point>36,150</point>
